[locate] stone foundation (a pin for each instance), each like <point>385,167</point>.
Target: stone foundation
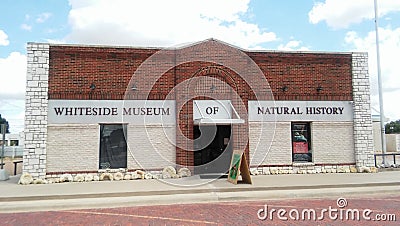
<point>103,175</point>
<point>123,174</point>
<point>311,169</point>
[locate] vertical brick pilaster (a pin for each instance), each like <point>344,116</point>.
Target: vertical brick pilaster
<point>36,108</point>
<point>363,138</point>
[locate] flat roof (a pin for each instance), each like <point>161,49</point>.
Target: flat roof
<point>190,44</point>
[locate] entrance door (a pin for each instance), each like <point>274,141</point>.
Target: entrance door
<point>213,158</point>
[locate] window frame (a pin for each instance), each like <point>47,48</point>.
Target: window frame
<point>121,146</point>
<point>301,139</point>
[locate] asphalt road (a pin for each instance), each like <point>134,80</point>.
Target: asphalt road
<point>369,210</point>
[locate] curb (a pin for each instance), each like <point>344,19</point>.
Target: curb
<point>190,191</point>
<point>130,199</point>
<point>191,198</point>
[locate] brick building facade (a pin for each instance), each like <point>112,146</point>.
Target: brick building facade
<point>321,96</point>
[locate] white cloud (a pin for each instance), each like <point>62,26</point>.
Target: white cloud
<point>12,92</point>
<point>3,39</point>
<point>293,45</point>
<point>26,27</point>
<point>12,76</point>
<point>163,23</point>
<point>41,18</point>
<point>13,111</point>
<point>55,41</point>
<point>390,68</point>
<point>342,13</point>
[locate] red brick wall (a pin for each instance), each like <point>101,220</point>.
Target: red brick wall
<point>302,73</point>
<point>74,68</point>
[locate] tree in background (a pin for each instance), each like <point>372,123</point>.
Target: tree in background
<point>4,121</point>
<point>392,127</point>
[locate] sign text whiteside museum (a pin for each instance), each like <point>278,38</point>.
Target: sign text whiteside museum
<point>111,111</point>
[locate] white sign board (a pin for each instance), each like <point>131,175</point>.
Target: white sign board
<point>300,111</point>
<point>137,112</point>
<point>212,109</point>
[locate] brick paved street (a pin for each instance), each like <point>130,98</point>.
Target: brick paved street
<point>222,213</point>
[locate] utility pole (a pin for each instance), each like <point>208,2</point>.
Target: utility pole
<point>378,61</point>
<point>3,174</point>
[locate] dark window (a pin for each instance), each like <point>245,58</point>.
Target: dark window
<point>14,142</point>
<point>113,148</point>
<point>301,142</point>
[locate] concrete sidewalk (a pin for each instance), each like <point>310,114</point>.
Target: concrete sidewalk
<point>101,194</point>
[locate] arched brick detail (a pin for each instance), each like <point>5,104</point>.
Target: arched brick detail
<point>185,115</point>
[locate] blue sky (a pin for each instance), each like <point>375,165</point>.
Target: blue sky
<point>288,25</point>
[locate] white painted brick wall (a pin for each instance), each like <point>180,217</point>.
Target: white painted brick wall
<point>151,146</point>
<point>270,144</point>
<point>73,148</point>
<point>332,142</point>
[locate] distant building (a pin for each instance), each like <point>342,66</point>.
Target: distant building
<point>14,139</point>
<point>376,128</point>
<point>392,140</point>
<point>14,144</point>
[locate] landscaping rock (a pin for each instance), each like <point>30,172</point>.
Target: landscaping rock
<point>25,179</point>
<point>169,172</point>
<point>127,177</point>
<point>88,178</point>
<point>79,178</point>
<point>66,178</point>
<point>353,169</point>
<point>118,176</point>
<point>106,176</point>
<point>135,175</point>
<point>39,181</point>
<point>184,172</point>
